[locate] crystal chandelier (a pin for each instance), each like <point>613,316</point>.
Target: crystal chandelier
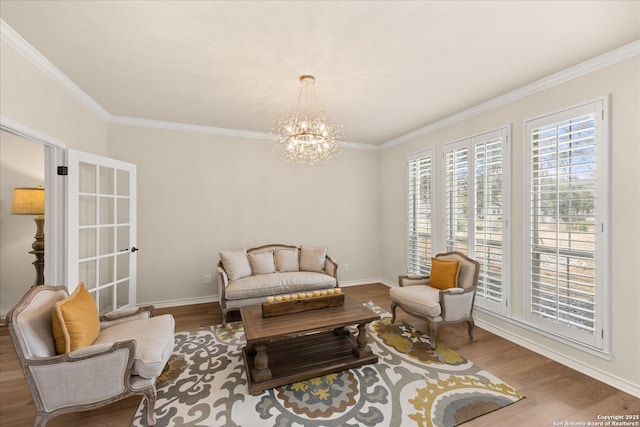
<point>306,136</point>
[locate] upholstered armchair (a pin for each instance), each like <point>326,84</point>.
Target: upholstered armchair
<point>447,296</point>
<point>129,353</point>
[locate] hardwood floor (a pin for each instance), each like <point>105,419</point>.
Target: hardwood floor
<point>554,393</point>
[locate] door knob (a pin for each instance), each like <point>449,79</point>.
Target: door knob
<point>134,249</point>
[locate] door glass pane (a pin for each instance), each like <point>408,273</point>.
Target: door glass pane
<point>107,240</point>
<point>87,243</point>
<point>123,238</point>
<point>123,266</point>
<point>123,183</point>
<point>105,304</point>
<point>123,211</point>
<point>106,270</point>
<point>87,177</point>
<point>87,273</point>
<point>106,180</point>
<point>87,210</point>
<point>122,294</point>
<point>106,211</point>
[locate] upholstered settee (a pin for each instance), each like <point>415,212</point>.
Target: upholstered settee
<point>249,276</point>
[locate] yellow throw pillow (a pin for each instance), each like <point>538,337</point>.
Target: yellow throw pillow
<point>444,274</point>
<point>76,322</point>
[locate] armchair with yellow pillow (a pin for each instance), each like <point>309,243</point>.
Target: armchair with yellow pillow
<point>74,360</point>
<point>446,296</point>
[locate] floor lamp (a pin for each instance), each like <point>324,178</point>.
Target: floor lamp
<point>30,201</point>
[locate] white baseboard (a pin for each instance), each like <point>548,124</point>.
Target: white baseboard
<point>347,283</point>
<point>607,378</point>
<point>184,301</point>
<point>214,298</point>
<point>388,283</point>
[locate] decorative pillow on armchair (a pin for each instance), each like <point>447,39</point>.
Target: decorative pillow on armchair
<point>444,274</point>
<point>75,321</point>
<point>312,259</point>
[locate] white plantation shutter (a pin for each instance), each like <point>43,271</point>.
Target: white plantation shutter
<point>566,224</point>
<point>420,209</point>
<point>456,197</point>
<point>476,211</point>
<point>490,215</point>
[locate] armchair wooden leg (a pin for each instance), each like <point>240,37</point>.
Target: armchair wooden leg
<point>434,331</point>
<point>470,325</point>
<point>224,318</point>
<point>150,396</point>
<point>393,311</point>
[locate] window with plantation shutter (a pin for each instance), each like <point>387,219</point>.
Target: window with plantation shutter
<point>476,210</point>
<point>490,218</point>
<point>456,198</point>
<point>567,208</point>
<point>420,210</point>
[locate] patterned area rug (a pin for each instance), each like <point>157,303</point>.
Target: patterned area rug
<point>205,384</point>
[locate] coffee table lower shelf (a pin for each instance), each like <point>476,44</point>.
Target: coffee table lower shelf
<point>304,357</point>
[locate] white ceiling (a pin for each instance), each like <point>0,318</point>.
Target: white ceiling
<point>383,68</point>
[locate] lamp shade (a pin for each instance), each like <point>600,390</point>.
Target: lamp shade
<point>28,201</point>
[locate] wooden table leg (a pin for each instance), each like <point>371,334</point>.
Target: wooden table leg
<point>261,371</point>
<point>362,350</point>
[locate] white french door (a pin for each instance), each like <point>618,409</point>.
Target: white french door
<point>101,228</point>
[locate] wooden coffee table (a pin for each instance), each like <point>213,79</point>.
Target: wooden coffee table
<point>294,347</point>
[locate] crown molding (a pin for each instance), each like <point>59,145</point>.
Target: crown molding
<point>622,53</point>
<point>10,36</point>
<point>359,146</point>
<point>211,130</point>
<point>9,125</point>
<point>20,45</point>
<point>186,127</point>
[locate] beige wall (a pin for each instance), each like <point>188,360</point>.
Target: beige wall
<point>33,99</point>
<point>621,81</point>
<point>21,165</point>
<point>199,194</point>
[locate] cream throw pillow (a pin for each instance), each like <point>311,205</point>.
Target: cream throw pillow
<point>312,259</point>
<point>236,263</point>
<point>75,321</point>
<point>287,260</point>
<point>262,263</point>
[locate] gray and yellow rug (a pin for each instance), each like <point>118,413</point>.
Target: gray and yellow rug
<point>205,384</point>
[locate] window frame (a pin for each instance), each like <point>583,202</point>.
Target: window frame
<point>600,340</point>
